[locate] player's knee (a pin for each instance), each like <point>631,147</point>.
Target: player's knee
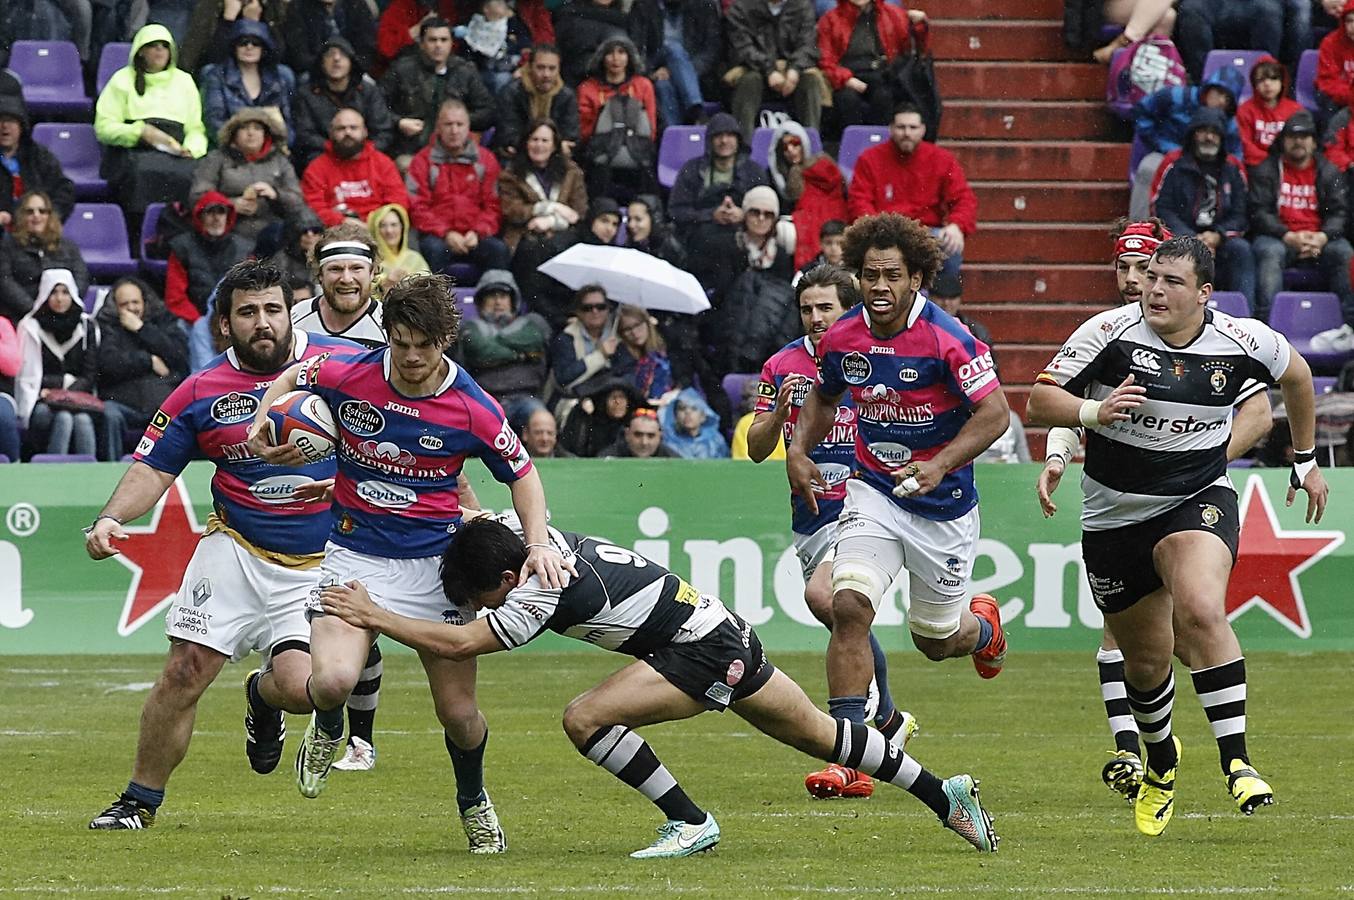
<point>1147,670</point>
<point>818,598</point>
<point>329,689</point>
<point>460,716</point>
<point>857,587</point>
<point>933,649</point>
<point>579,722</point>
<point>190,669</point>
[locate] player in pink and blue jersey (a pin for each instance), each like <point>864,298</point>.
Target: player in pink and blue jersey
<point>408,417</point>
<point>823,294</point>
<point>247,583</point>
<point>927,403</point>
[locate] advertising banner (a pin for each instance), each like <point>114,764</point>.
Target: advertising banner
<point>723,525</point>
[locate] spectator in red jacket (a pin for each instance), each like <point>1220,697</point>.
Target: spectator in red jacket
<point>455,201</point>
<point>351,177</point>
<point>618,121</point>
<point>1335,64</point>
<point>910,176</point>
<point>862,92</point>
<point>1260,118</point>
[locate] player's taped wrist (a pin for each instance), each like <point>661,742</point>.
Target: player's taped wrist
<point>546,547</point>
<point>1089,414</point>
<point>1061,445</point>
<point>1304,461</point>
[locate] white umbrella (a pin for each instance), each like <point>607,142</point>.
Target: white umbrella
<point>629,276</point>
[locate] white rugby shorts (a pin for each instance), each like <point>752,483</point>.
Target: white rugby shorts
<point>938,556</point>
<point>815,549</point>
<point>406,587</point>
<point>235,602</point>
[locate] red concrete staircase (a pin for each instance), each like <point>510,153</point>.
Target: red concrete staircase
<point>1027,119</point>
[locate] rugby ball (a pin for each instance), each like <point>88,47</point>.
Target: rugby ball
<point>304,420</point>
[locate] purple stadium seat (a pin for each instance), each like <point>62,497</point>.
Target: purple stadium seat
<point>153,267</point>
<point>1303,278</point>
<point>3,458</point>
<point>1324,384</point>
<point>1298,316</point>
<point>1305,83</point>
<point>74,144</point>
<point>680,143</point>
<point>733,386</point>
<point>1231,302</point>
<point>62,458</point>
<point>856,139</point>
<point>113,57</point>
<point>1244,60</point>
<point>465,301</point>
<point>761,144</point>
<point>100,232</point>
<point>464,274</point>
<point>50,74</point>
<point>91,298</point>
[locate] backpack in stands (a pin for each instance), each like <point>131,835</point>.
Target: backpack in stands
<point>623,138</point>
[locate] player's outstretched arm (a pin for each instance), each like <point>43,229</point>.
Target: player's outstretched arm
<point>136,493</point>
<point>815,421</point>
<point>1061,446</point>
<point>767,427</point>
<point>351,603</point>
<point>286,455</point>
<point>544,560</point>
<point>1299,399</point>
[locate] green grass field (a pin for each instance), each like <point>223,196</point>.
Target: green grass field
<point>1035,737</point>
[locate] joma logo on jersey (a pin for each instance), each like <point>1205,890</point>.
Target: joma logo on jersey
<point>882,351</point>
<point>392,406</point>
<point>1146,359</point>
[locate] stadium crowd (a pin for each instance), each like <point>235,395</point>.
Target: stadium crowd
<point>485,138</point>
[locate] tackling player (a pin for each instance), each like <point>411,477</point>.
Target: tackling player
<point>823,294</point>
<point>1134,244</point>
<point>407,418</point>
<point>246,585</point>
<point>927,403</point>
<point>692,654</point>
<point>1155,386</point>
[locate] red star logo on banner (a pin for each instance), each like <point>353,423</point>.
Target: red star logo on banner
<point>1270,559</point>
<point>157,554</point>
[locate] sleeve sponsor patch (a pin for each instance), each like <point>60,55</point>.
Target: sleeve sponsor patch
<point>765,389</point>
<point>158,423</point>
<point>309,376</point>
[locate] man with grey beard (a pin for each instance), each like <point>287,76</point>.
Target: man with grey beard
<point>1200,190</point>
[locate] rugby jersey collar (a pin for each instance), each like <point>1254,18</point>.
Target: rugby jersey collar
<point>299,341</point>
<point>452,372</point>
<point>918,301</point>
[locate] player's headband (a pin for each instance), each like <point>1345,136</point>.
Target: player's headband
<point>344,250</point>
<point>1138,240</point>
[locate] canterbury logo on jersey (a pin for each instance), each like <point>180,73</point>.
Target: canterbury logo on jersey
<point>1147,360</point>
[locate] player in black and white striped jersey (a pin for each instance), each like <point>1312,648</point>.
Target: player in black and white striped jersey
<point>692,654</point>
<point>1155,385</point>
<point>1135,242</point>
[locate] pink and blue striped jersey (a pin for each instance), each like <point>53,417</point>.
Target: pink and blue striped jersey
<point>837,452</point>
<point>395,494</point>
<point>913,392</point>
<point>208,417</point>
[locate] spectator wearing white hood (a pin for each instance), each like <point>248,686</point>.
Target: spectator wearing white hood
<point>58,347</point>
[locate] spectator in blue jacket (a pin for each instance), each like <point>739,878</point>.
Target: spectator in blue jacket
<point>1201,190</point>
<point>691,427</point>
<point>1162,120</point>
<point>251,76</point>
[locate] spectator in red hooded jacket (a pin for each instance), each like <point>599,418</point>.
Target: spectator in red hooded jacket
<point>197,260</point>
<point>862,92</point>
<point>1335,65</point>
<point>351,177</point>
<point>918,179</point>
<point>809,185</point>
<point>1260,118</point>
<point>455,200</point>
